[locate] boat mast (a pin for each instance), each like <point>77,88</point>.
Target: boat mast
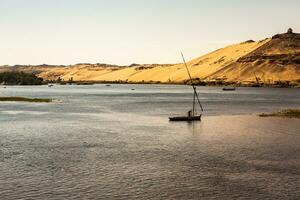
<point>194,88</point>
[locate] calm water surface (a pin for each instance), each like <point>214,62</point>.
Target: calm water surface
<point>98,142</point>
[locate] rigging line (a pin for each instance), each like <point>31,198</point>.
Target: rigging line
<point>191,81</point>
<point>187,69</point>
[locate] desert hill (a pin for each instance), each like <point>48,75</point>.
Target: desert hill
<point>277,59</point>
<point>266,61</point>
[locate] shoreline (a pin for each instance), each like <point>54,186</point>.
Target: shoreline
<point>208,84</point>
<point>113,83</point>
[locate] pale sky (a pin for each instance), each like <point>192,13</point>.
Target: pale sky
<point>134,31</point>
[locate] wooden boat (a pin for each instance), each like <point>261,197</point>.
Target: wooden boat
<point>185,118</point>
<point>192,115</point>
<point>229,89</point>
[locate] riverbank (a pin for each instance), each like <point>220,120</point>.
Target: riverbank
<point>197,83</point>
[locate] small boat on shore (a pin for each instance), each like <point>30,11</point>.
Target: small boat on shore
<point>192,114</point>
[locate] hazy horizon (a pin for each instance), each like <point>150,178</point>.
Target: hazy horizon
<point>131,31</point>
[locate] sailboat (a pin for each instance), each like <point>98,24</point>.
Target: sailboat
<point>234,87</point>
<point>191,115</point>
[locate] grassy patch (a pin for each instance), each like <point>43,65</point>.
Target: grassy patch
<point>35,100</point>
<point>290,113</point>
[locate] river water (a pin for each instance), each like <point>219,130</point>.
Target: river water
<point>100,142</point>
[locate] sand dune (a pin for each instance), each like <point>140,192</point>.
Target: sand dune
<point>202,67</point>
<point>269,60</point>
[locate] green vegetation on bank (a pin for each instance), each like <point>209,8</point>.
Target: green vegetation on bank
<point>19,78</point>
<point>290,113</point>
<point>34,100</point>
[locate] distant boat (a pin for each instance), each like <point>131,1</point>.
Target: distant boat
<point>233,88</point>
<point>191,115</point>
<point>50,85</point>
<point>229,89</point>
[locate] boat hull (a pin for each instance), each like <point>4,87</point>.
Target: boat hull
<point>228,89</point>
<point>185,118</point>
